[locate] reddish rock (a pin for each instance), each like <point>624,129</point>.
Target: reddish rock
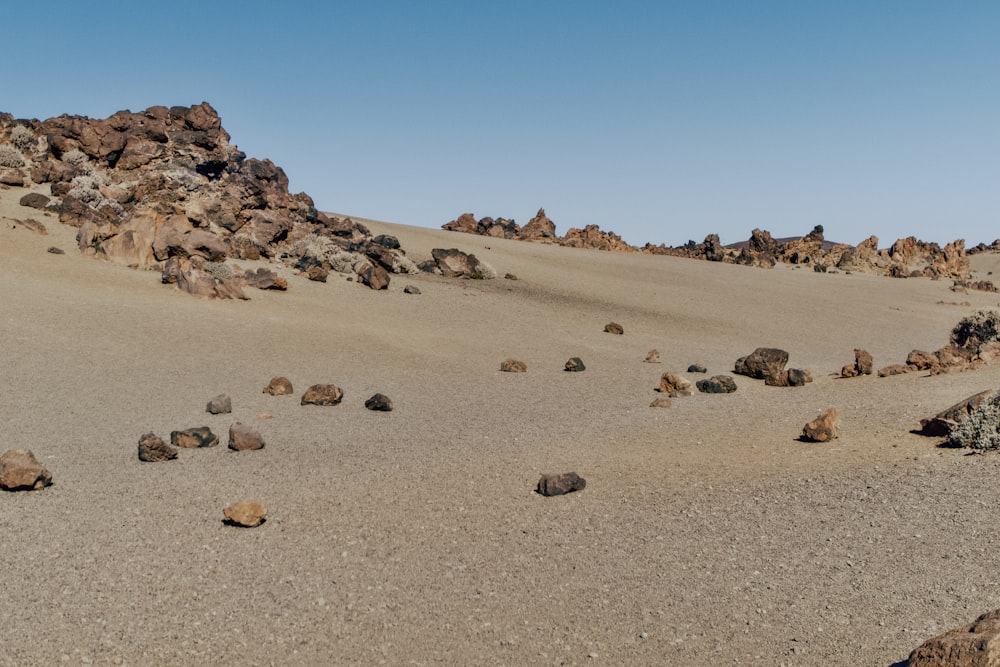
<point>974,645</point>
<point>895,369</point>
<point>793,377</point>
<point>453,263</point>
<point>265,279</point>
<point>279,386</point>
<point>193,438</point>
<point>921,360</point>
<point>317,273</point>
<point>614,328</point>
<point>762,363</point>
<point>373,276</point>
<point>824,428</point>
<point>153,449</point>
<point>244,438</point>
<point>323,394</point>
<point>989,352</point>
<point>539,228</point>
<point>379,403</point>
<point>557,485</point>
<point>863,365</point>
<point>12,177</point>
<point>594,238</point>
<point>247,514</point>
<point>944,422</point>
<point>21,471</point>
<point>513,366</point>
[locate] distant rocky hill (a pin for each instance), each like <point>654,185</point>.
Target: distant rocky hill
<point>905,258</point>
<point>164,188</point>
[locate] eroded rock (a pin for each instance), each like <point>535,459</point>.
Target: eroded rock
<point>153,449</point>
<point>513,366</point>
<point>21,471</point>
<point>557,485</point>
<point>279,386</point>
<point>246,514</point>
<point>193,438</point>
<point>245,438</point>
<point>824,428</point>
<point>323,394</point>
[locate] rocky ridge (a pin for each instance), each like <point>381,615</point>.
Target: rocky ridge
<point>164,189</point>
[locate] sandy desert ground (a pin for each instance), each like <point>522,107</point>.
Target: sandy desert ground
<point>707,534</point>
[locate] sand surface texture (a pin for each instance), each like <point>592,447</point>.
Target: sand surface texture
<point>707,533</point>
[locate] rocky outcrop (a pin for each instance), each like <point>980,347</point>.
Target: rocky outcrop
<point>21,471</point>
<point>974,645</point>
<point>538,228</point>
<point>560,484</point>
<point>165,183</point>
<point>595,238</point>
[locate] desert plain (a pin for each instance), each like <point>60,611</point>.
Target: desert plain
<point>708,533</point>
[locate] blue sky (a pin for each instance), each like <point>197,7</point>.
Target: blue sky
<point>662,121</point>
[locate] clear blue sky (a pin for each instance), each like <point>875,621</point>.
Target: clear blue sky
<point>663,121</point>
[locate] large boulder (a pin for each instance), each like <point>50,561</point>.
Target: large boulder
<point>824,428</point>
<point>762,363</point>
<point>974,645</point>
<point>453,263</point>
<point>21,471</point>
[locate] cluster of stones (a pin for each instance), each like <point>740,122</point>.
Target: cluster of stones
<point>768,364</point>
<point>164,188</point>
<point>324,394</point>
<point>540,229</point>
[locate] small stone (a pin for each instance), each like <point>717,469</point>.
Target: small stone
<point>661,402</point>
<point>379,403</point>
<point>510,276</point>
<point>614,328</point>
<point>824,428</point>
<point>153,449</point>
<point>55,251</point>
<point>247,514</point>
<point>317,273</point>
<point>672,383</point>
<point>21,471</point>
<point>323,394</point>
<point>575,364</point>
<point>220,405</point>
<point>411,289</point>
<point>557,485</point>
<point>697,368</point>
<point>513,366</point>
<point>193,438</point>
<point>279,386</point>
<point>717,384</point>
<point>652,357</point>
<point>243,438</point>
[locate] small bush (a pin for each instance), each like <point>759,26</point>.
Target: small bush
<point>75,157</point>
<point>220,270</point>
<point>23,139</point>
<point>11,157</point>
<point>974,330</point>
<point>980,429</point>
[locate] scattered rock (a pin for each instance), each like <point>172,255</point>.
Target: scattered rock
<point>323,394</point>
<point>411,289</point>
<point>575,364</point>
<point>824,428</point>
<point>453,263</point>
<point>21,471</point>
<point>944,422</point>
<point>243,438</point>
<point>510,276</point>
<point>895,369</point>
<point>153,449</point>
<point>379,403</point>
<point>265,279</point>
<point>373,276</point>
<point>652,357</point>
<point>317,273</point>
<point>557,485</point>
<point>247,514</point>
<point>762,363</point>
<point>717,384</point>
<point>55,251</point>
<point>193,438</point>
<point>673,384</point>
<point>793,377</point>
<point>35,200</point>
<point>660,402</point>
<point>863,365</point>
<point>279,386</point>
<point>220,405</point>
<point>974,645</point>
<point>697,368</point>
<point>513,366</point>
<point>614,328</point>
<point>921,360</point>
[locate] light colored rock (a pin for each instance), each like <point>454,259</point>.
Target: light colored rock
<point>323,394</point>
<point>246,514</point>
<point>279,386</point>
<point>513,366</point>
<point>21,471</point>
<point>824,428</point>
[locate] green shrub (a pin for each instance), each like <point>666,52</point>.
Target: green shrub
<point>974,330</point>
<point>980,428</point>
<point>11,157</point>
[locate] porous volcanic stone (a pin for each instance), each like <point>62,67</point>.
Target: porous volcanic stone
<point>824,428</point>
<point>323,394</point>
<point>279,386</point>
<point>379,403</point>
<point>513,366</point>
<point>153,450</point>
<point>717,384</point>
<point>21,471</point>
<point>975,645</point>
<point>652,357</point>
<point>614,328</point>
<point>575,364</point>
<point>244,438</point>
<point>557,485</point>
<point>246,514</point>
<point>220,405</point>
<point>192,438</point>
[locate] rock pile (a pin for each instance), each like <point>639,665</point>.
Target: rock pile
<point>768,364</point>
<point>166,184</point>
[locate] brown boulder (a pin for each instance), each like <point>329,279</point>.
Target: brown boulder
<point>557,485</point>
<point>974,645</point>
<point>153,450</point>
<point>944,422</point>
<point>379,403</point>
<point>921,360</point>
<point>863,365</point>
<point>513,366</point>
<point>614,328</point>
<point>762,363</point>
<point>824,428</point>
<point>454,263</point>
<point>279,386</point>
<point>895,369</point>
<point>35,200</point>
<point>575,365</point>
<point>323,394</point>
<point>247,514</point>
<point>673,384</point>
<point>374,276</point>
<point>193,438</point>
<point>244,438</point>
<point>317,273</point>
<point>21,471</point>
<point>793,377</point>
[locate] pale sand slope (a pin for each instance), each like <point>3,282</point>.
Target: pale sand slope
<point>707,533</point>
